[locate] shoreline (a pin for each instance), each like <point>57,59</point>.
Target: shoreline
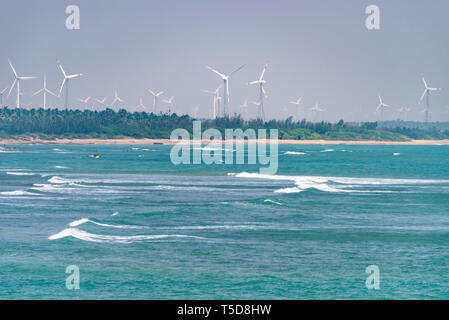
<point>132,141</point>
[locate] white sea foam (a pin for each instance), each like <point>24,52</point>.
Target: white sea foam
<point>20,173</point>
<point>396,154</point>
<point>91,237</point>
<point>272,201</point>
<point>339,184</point>
<point>61,167</point>
<point>18,193</point>
<point>115,214</point>
<point>298,153</point>
<point>59,180</point>
<point>227,227</point>
<point>328,150</point>
<point>79,222</point>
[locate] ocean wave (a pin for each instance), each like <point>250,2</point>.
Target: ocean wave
<point>212,227</point>
<point>273,202</point>
<point>18,193</point>
<point>20,173</point>
<point>79,222</point>
<point>339,184</point>
<point>91,237</point>
<point>298,153</point>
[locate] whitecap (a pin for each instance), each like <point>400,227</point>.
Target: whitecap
<point>79,222</point>
<point>272,201</point>
<point>17,193</point>
<point>91,237</point>
<point>20,173</point>
<point>295,153</point>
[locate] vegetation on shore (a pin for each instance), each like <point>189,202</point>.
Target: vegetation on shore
<point>53,123</point>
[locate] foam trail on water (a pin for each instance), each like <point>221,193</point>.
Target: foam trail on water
<point>272,201</point>
<point>91,237</point>
<point>341,184</point>
<point>295,153</point>
<point>21,173</point>
<point>79,222</point>
<point>18,193</point>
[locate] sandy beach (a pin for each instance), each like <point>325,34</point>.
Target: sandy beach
<point>132,141</point>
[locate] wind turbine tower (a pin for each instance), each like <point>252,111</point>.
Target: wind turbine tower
<point>44,90</point>
<point>226,94</point>
<point>381,108</point>
<point>156,96</point>
<point>426,93</point>
<point>17,80</point>
<point>65,82</point>
<point>262,92</point>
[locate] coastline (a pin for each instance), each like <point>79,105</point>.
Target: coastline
<point>132,141</point>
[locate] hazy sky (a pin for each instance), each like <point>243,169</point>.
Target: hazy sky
<point>317,49</point>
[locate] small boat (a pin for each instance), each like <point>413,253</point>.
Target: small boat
<point>96,156</point>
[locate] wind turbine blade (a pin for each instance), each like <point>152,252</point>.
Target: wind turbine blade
<point>263,73</point>
<point>12,67</point>
<point>425,83</point>
<point>422,97</point>
<point>213,70</point>
<point>61,68</point>
<point>253,82</point>
<point>26,78</point>
<point>62,86</point>
<point>236,70</point>
<point>13,84</point>
<point>37,92</point>
<point>150,91</point>
<point>73,76</point>
<point>50,92</point>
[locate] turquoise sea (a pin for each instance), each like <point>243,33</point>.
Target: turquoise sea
<point>139,227</point>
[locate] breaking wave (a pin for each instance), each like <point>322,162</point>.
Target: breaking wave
<point>335,184</point>
<point>91,237</point>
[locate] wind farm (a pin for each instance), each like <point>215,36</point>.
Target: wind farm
<point>216,150</point>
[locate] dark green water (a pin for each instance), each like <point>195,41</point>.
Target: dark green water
<point>223,232</point>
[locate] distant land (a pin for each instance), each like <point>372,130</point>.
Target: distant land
<point>75,126</point>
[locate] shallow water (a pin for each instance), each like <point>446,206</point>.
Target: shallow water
<point>140,227</point>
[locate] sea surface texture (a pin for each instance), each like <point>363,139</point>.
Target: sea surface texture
<point>139,227</point>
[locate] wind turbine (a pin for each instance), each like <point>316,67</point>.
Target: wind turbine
<point>216,95</point>
<point>84,101</point>
<point>297,103</point>
<point>44,90</point>
<point>102,101</point>
<point>1,97</point>
<point>116,99</point>
<point>17,79</point>
<point>405,110</point>
<point>170,103</point>
<point>140,105</point>
<point>65,82</point>
<point>426,93</point>
<point>225,79</point>
<point>245,104</point>
<point>381,108</point>
<point>315,109</point>
<point>155,98</point>
<point>262,92</point>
